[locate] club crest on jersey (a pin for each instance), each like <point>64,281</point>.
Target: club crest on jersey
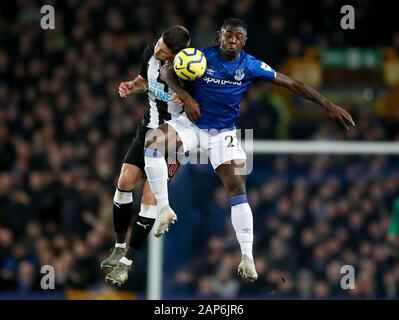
<point>239,74</point>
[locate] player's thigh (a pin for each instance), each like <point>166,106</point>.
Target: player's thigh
<point>135,156</point>
<point>129,176</point>
<point>228,159</point>
<point>187,133</point>
<point>224,148</point>
<point>163,139</point>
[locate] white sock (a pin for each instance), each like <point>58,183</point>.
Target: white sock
<point>148,211</point>
<point>120,245</point>
<point>157,176</point>
<point>242,220</point>
<point>126,261</point>
<point>123,197</point>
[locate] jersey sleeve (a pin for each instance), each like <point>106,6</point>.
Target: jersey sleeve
<point>262,71</point>
<point>147,54</point>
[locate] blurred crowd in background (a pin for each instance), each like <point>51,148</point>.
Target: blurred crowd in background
<point>312,215</point>
<point>64,131</point>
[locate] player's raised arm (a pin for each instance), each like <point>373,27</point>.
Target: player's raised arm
<point>191,106</point>
<point>334,111</point>
<point>137,85</point>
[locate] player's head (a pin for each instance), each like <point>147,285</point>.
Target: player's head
<point>173,40</point>
<point>232,36</point>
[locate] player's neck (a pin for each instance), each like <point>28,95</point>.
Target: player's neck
<point>229,57</point>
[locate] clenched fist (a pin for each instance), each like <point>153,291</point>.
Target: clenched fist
<point>126,88</point>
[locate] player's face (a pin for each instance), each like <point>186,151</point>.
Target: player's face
<point>162,51</point>
<point>232,39</point>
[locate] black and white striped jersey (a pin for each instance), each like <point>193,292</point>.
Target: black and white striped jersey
<point>159,94</point>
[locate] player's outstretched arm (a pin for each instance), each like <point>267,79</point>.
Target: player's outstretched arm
<point>191,106</point>
<point>138,85</point>
<point>334,111</point>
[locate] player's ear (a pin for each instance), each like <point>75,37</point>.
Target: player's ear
<point>244,42</point>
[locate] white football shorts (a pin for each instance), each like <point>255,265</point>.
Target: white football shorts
<point>220,146</point>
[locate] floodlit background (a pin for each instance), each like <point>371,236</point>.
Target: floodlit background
<point>64,131</point>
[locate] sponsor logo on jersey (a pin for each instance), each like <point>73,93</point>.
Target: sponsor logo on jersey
<point>221,81</point>
<point>239,74</point>
<point>210,71</point>
<point>156,90</point>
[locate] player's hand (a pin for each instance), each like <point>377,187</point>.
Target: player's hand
<point>176,99</point>
<point>338,113</point>
<point>125,88</point>
<point>192,108</point>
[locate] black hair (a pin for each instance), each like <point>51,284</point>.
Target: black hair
<point>176,38</point>
<point>234,22</point>
<point>231,22</point>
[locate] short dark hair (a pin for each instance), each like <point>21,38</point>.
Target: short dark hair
<point>234,22</point>
<point>176,38</point>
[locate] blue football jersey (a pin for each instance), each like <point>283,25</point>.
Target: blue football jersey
<point>220,90</point>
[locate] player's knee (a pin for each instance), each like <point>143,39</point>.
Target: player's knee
<point>150,143</point>
<point>156,141</point>
<point>125,181</point>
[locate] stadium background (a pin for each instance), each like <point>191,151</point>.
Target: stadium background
<point>64,131</point>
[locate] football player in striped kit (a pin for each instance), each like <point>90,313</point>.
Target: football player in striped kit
<point>163,106</point>
<point>230,71</point>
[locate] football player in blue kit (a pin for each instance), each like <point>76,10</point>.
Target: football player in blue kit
<point>209,123</point>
